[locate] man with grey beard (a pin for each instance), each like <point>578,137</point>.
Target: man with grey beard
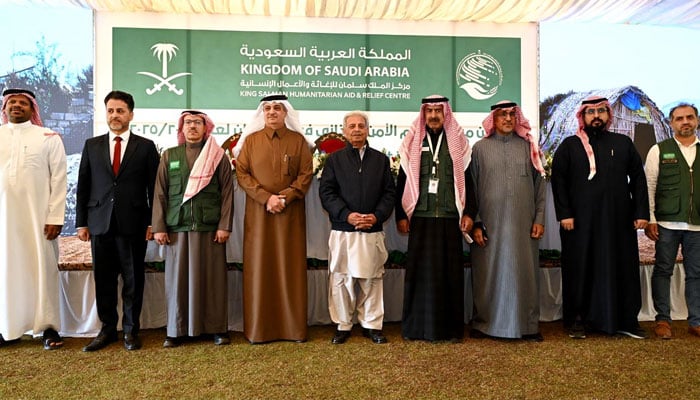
<point>675,217</point>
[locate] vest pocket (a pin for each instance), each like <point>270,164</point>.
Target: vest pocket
<point>669,174</point>
<point>211,216</point>
<point>174,215</point>
<point>668,201</point>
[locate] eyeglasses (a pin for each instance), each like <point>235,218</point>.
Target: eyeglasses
<point>504,114</point>
<point>194,122</point>
<point>601,110</point>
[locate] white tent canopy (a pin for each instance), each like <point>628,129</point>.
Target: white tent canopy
<point>653,12</point>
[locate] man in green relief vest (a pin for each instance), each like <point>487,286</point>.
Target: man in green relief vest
<point>672,174</point>
<point>192,218</point>
<point>431,207</point>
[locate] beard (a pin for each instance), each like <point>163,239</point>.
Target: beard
<point>686,132</point>
<point>595,129</point>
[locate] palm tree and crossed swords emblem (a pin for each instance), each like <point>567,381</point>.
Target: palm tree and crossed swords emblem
<point>165,52</point>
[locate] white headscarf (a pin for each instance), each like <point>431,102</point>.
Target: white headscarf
<point>257,122</point>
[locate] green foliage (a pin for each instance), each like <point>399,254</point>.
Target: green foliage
<point>43,78</point>
<point>84,84</point>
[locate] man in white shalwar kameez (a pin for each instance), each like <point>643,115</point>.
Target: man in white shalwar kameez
<point>357,189</point>
<point>32,206</point>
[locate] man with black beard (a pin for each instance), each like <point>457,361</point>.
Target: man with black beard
<point>600,198</point>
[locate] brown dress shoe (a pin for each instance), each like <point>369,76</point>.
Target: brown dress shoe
<point>663,330</point>
<point>694,330</point>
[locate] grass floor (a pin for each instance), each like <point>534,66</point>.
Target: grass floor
<point>599,367</point>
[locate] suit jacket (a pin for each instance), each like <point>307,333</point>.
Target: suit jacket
<point>129,194</point>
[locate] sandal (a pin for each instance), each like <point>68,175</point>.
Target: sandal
<point>52,340</point>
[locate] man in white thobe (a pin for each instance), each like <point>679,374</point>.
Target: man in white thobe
<point>32,206</point>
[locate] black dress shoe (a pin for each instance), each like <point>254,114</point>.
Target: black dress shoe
<point>534,337</point>
<point>477,334</point>
<point>4,342</point>
<point>101,341</point>
<point>171,342</point>
<point>376,335</point>
<point>131,341</point>
<point>221,338</point>
<point>340,337</point>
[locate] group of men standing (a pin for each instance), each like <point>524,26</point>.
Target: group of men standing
<point>492,196</point>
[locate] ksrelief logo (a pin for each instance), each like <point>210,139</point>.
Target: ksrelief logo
<point>480,75</point>
<point>164,52</point>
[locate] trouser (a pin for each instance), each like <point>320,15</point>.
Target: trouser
<point>344,299</point>
<point>666,251</point>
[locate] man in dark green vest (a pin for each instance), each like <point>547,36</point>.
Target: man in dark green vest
<point>672,175</point>
<point>431,207</point>
<point>192,218</point>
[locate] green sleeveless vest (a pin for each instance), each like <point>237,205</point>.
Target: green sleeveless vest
<point>440,204</point>
<point>198,214</point>
<point>676,200</point>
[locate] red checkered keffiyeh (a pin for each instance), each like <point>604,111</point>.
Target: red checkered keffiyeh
<point>522,128</point>
<point>410,152</point>
<point>594,102</point>
<point>208,160</point>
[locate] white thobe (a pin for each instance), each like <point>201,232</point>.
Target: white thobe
<point>32,194</point>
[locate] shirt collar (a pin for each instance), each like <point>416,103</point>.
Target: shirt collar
<point>24,124</point>
<point>124,136</point>
<point>681,145</point>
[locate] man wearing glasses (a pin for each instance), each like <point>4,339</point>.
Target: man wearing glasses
<point>600,198</point>
<point>192,213</point>
<point>507,171</point>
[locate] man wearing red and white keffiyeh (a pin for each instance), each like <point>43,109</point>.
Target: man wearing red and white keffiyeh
<point>32,208</point>
<point>601,199</point>
<point>431,205</point>
<point>194,224</point>
<point>509,189</point>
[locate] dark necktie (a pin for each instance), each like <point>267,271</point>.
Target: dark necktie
<point>117,155</point>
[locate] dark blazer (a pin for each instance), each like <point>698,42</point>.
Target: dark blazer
<point>129,194</point>
<point>349,184</point>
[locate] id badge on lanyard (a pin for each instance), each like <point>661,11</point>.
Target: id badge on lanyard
<point>434,181</point>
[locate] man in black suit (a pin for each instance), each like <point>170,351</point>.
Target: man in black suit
<point>113,210</point>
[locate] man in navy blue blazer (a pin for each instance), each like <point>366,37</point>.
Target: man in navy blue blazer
<point>113,210</point>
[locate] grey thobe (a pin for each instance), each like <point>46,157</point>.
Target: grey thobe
<point>510,196</point>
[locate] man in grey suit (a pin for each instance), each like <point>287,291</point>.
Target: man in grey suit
<point>113,209</point>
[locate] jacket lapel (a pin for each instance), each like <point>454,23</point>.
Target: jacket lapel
<point>129,151</point>
<point>104,151</point>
